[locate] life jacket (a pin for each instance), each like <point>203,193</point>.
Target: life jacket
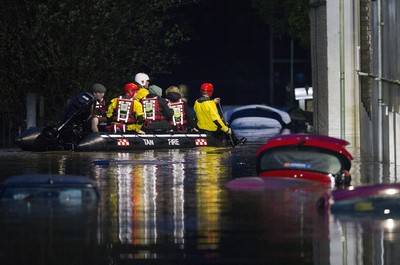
<point>100,109</point>
<point>152,110</point>
<point>179,119</point>
<point>123,113</point>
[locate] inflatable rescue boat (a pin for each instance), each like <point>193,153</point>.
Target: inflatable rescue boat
<point>40,139</point>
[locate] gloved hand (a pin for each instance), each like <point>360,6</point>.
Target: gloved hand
<point>140,120</point>
<point>228,130</point>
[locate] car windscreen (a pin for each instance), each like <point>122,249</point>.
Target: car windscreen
<point>60,193</point>
<point>299,158</point>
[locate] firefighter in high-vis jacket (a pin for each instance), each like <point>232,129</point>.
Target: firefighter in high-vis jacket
<point>125,113</point>
<point>142,81</point>
<point>157,113</point>
<point>184,119</point>
<point>208,117</point>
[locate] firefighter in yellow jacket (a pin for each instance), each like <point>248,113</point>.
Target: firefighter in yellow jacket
<point>125,113</point>
<point>208,117</point>
<point>142,80</point>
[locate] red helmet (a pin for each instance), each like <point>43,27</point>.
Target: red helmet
<point>131,89</point>
<point>207,88</point>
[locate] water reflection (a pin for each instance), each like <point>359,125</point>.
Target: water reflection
<point>278,226</point>
<point>133,196</point>
<point>212,172</point>
<point>178,212</point>
<point>368,240</point>
<point>148,200</point>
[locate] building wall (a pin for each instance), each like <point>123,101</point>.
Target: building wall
<point>333,45</point>
<point>359,100</point>
<point>319,65</point>
<point>383,77</point>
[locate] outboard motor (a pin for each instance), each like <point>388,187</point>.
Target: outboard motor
<point>70,128</point>
<point>66,132</point>
<point>78,110</point>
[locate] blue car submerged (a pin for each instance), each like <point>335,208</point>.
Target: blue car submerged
<point>61,190</point>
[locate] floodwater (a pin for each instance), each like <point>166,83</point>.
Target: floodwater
<point>171,207</point>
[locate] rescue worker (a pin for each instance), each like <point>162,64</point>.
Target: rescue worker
<point>184,119</point>
<point>157,113</point>
<point>208,117</point>
<point>99,119</point>
<point>125,113</point>
<point>76,120</point>
<point>142,80</point>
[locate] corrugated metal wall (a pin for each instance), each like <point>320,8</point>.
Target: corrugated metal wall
<point>390,51</point>
<point>384,78</point>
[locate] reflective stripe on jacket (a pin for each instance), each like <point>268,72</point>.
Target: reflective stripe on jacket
<point>179,117</point>
<point>152,110</point>
<point>100,109</point>
<point>119,107</point>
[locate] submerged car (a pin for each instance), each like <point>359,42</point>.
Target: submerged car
<point>307,157</point>
<point>257,117</point>
<point>46,212</point>
<point>365,200</point>
<point>65,189</point>
<point>292,161</point>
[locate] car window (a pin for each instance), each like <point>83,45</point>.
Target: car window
<point>300,158</point>
<point>62,194</point>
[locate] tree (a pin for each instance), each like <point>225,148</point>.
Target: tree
<point>57,48</point>
<point>290,18</point>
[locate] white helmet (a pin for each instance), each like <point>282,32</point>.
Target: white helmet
<point>141,79</point>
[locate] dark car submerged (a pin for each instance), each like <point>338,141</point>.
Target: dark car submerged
<point>57,190</point>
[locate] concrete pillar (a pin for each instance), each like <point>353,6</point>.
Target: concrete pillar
<point>319,65</point>
<point>335,84</point>
<point>31,110</point>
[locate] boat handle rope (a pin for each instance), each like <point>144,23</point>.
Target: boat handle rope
<point>155,135</point>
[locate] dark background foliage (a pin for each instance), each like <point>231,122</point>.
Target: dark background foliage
<point>58,48</point>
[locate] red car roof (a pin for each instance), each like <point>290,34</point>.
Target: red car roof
<point>321,141</point>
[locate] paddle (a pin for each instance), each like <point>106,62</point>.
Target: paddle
<point>227,124</point>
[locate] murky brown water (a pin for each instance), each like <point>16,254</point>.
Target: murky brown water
<point>170,207</point>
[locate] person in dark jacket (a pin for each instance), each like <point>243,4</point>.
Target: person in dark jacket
<point>157,113</point>
<point>184,119</point>
<point>98,117</point>
<point>77,118</point>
